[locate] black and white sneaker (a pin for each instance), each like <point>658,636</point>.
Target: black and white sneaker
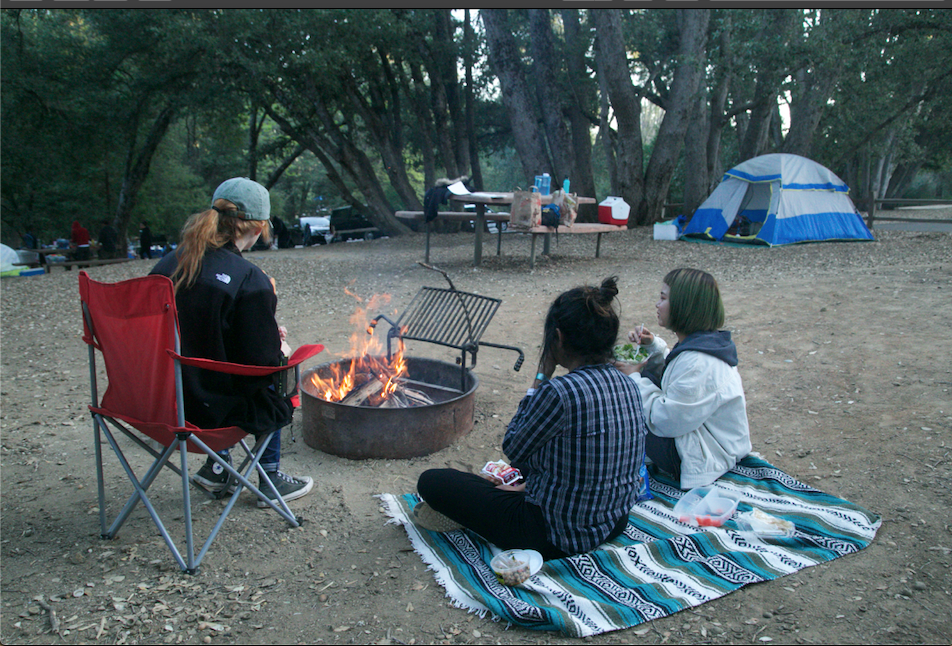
<point>213,476</point>
<point>289,487</point>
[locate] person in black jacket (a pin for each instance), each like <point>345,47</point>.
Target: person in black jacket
<point>108,241</point>
<point>226,307</point>
<point>145,241</point>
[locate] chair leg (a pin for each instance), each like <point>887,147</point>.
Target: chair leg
<point>140,487</point>
<point>100,484</point>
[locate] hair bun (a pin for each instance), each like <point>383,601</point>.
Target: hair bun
<point>609,290</point>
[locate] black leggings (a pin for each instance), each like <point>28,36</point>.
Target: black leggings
<point>504,518</point>
<point>664,453</point>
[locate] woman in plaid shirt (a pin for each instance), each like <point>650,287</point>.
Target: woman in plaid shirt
<point>578,440</point>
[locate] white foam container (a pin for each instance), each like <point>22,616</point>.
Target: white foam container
<point>665,231</point>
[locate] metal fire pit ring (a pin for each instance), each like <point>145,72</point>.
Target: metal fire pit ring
<point>360,432</point>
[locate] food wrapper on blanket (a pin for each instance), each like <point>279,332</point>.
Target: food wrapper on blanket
<point>501,471</point>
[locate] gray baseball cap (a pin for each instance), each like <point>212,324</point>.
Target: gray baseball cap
<point>249,196</point>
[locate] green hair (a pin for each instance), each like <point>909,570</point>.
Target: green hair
<point>694,299</point>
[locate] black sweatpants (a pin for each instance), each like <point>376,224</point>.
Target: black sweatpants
<point>504,518</point>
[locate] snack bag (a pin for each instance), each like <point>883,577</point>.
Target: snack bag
<point>502,471</point>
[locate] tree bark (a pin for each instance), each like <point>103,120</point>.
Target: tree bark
<point>550,95</point>
<point>580,94</point>
<point>137,164</point>
<point>683,96</point>
<point>470,103</point>
<point>695,157</point>
<point>612,61</point>
<point>505,62</point>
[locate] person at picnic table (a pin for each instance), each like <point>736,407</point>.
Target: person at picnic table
<point>696,410</point>
<point>226,307</point>
<point>577,438</point>
<point>145,241</point>
<point>79,241</point>
<point>108,240</point>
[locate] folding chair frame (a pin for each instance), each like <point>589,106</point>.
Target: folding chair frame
<point>184,437</point>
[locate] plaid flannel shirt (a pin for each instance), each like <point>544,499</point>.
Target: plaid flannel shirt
<point>579,441</point>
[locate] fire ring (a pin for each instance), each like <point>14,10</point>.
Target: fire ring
<point>359,432</point>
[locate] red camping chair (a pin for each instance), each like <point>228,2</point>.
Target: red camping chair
<point>134,324</point>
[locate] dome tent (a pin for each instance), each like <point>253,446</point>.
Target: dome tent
<point>778,199</point>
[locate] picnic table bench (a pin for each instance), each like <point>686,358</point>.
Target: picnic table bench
<point>92,262</point>
<point>577,228</point>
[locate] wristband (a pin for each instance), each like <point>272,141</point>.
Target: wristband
<point>541,377</point>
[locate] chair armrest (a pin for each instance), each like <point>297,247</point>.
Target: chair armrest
<point>300,355</point>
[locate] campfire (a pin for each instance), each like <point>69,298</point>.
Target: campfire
<point>380,403</point>
<point>370,379</point>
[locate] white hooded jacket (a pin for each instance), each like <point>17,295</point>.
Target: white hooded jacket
<point>701,405</point>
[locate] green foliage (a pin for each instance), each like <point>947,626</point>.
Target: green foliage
<point>82,89</point>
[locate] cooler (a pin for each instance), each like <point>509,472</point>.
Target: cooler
<point>613,210</point>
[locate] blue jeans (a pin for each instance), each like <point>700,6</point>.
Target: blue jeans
<point>271,458</point>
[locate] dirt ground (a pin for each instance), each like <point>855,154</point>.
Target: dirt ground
<point>844,351</point>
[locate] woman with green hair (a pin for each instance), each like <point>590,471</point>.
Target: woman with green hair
<point>696,410</point>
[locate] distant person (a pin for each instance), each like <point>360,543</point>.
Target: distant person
<point>108,241</point>
<point>696,410</point>
<point>145,241</point>
<point>79,241</point>
<point>29,240</point>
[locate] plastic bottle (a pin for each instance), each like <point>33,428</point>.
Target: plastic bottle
<point>565,185</point>
<point>546,184</point>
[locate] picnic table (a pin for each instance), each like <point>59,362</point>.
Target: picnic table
<point>480,217</point>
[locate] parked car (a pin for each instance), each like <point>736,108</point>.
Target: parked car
<point>492,226</point>
<point>348,224</point>
<point>319,227</point>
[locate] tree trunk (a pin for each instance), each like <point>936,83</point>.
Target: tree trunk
<point>449,80</point>
<point>506,63</point>
<point>439,105</point>
<point>137,165</point>
<point>813,94</point>
<point>718,119</point>
<point>612,61</point>
<point>758,122</point>
<point>581,93</point>
<point>696,177</point>
<point>468,44</point>
<point>418,93</point>
<point>374,115</point>
<point>692,47</point>
<point>549,94</point>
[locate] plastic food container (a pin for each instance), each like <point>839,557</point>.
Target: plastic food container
<point>513,567</point>
<point>763,524</point>
<point>706,506</point>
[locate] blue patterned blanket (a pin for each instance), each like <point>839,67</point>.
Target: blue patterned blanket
<point>659,566</point>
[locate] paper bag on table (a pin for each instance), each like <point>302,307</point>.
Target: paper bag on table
<point>568,207</point>
<point>526,210</point>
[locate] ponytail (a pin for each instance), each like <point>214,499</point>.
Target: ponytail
<point>206,231</point>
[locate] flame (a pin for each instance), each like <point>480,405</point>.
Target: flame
<point>368,356</point>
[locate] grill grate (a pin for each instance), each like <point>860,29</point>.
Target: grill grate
<point>447,317</point>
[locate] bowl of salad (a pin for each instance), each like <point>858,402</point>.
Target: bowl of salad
<point>631,353</point>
